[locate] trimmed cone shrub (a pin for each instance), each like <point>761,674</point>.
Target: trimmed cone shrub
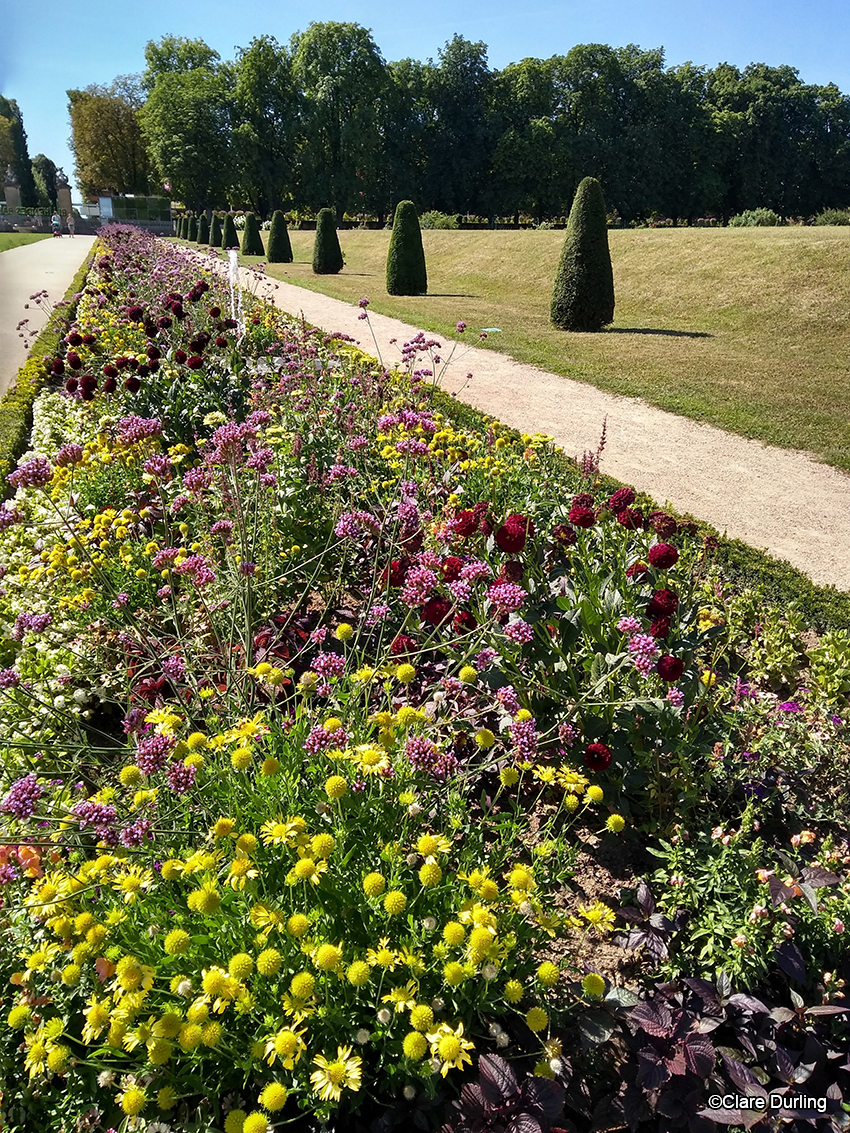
<point>215,231</point>
<point>181,227</point>
<point>583,296</point>
<point>229,239</point>
<point>252,244</point>
<point>193,229</point>
<point>203,229</point>
<point>279,250</point>
<point>327,254</point>
<point>406,271</point>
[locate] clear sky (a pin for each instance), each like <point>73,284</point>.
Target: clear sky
<point>47,48</point>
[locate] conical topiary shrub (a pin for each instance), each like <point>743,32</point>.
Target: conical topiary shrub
<point>229,239</point>
<point>279,250</point>
<point>252,244</point>
<point>583,296</point>
<point>181,227</point>
<point>203,229</point>
<point>193,229</point>
<point>215,231</point>
<point>327,254</point>
<point>406,272</point>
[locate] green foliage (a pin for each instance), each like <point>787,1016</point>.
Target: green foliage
<point>192,230</point>
<point>833,216</point>
<point>406,271</point>
<point>204,229</point>
<point>829,665</point>
<point>279,249</point>
<point>106,137</point>
<point>229,239</point>
<point>327,254</point>
<point>14,137</point>
<point>583,296</point>
<point>436,219</point>
<point>215,231</point>
<point>44,175</point>
<point>252,244</point>
<point>756,218</point>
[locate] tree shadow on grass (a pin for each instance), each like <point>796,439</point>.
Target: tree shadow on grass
<point>652,330</point>
<point>446,295</point>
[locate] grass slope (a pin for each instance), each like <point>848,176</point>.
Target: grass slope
<point>744,328</point>
<point>16,239</point>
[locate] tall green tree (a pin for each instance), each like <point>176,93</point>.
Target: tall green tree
<point>327,254</point>
<point>44,174</point>
<point>342,77</point>
<point>265,117</point>
<point>583,295</point>
<point>12,123</point>
<point>406,129</point>
<point>109,151</point>
<point>175,55</point>
<point>279,250</point>
<point>406,271</point>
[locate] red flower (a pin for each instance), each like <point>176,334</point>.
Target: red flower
<point>215,312</point>
<point>71,385</point>
<point>402,644</point>
<point>637,570</point>
<point>135,313</point>
<point>89,339</point>
<point>621,499</point>
<point>109,371</point>
<point>88,382</point>
<point>663,524</point>
<point>132,384</point>
<point>597,757</point>
<point>180,356</point>
<point>511,571</point>
<point>57,366</point>
<point>670,668</point>
<point>660,627</point>
<point>195,362</point>
<point>121,363</point>
<point>464,622</point>
<point>582,516</point>
<point>630,518</point>
<point>465,523</point>
<point>396,572</point>
<point>74,360</point>
<point>663,556</point>
<point>153,352</point>
<point>75,339</point>
<point>662,603</point>
<point>109,385</point>
<point>583,499</point>
<point>435,611</point>
<point>564,535</point>
<point>221,341</point>
<point>512,535</point>
<point>450,568</point>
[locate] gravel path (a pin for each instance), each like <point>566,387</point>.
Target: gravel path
<point>45,265</point>
<point>778,500</point>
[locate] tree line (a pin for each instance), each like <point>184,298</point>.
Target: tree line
<point>326,120</point>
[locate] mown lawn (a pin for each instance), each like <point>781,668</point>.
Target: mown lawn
<point>16,239</point>
<point>745,328</point>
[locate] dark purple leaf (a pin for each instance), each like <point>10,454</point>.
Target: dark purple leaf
<point>546,1095</point>
<point>784,1065</point>
<point>622,997</point>
<point>652,1072</point>
<point>699,1055</point>
<point>749,1003</point>
<point>653,1017</point>
<point>778,891</point>
<point>704,990</point>
<point>829,1009</point>
<point>817,876</point>
<point>809,894</point>
<point>645,898</point>
<point>524,1123</point>
<point>472,1100</point>
<point>724,985</point>
<point>596,1027</point>
<point>790,960</point>
<point>782,1014</point>
<point>723,1116</point>
<point>742,1076</point>
<point>498,1081</point>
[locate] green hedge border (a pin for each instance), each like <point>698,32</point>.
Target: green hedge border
<point>16,404</point>
<point>824,607</point>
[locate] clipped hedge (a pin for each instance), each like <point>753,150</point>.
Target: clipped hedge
<point>252,244</point>
<point>16,404</point>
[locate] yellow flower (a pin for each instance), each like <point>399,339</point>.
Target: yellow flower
<point>484,738</point>
<point>421,1017</point>
<point>430,844</point>
<point>430,874</point>
<point>593,985</point>
<point>332,1077</point>
<point>306,869</point>
<point>395,902</point>
<point>322,845</point>
<point>403,998</point>
<point>133,1101</point>
<point>468,675</point>
<point>358,974</point>
<point>450,1047</point>
<point>223,827</point>
<point>287,1045</point>
<point>708,678</point>
<point>273,1097</point>
<point>405,674</point>
<point>454,974</point>
<point>344,632</point>
<point>548,974</point>
<point>615,823</point>
<point>335,787</point>
<point>508,776</point>
<point>328,957</point>
<point>595,794</point>
<point>513,991</point>
<point>415,1046</point>
<point>599,916</point>
<point>167,1098</point>
<point>268,962</point>
<point>383,956</point>
<point>205,900</point>
<point>282,831</point>
<point>241,871</point>
<point>374,884</point>
<point>537,1019</point>
<point>369,760</point>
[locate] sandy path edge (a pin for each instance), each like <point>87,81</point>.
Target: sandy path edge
<point>781,501</point>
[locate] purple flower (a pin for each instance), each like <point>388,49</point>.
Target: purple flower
<point>519,631</point>
<point>485,658</point>
<point>23,796</point>
<point>320,739</point>
<point>628,625</point>
<point>508,699</point>
<point>676,697</point>
<point>418,586</point>
<point>34,474</point>
<point>136,834</point>
<point>174,667</point>
<point>329,665</point>
<point>9,678</point>
<point>523,735</point>
<point>377,613</point>
<point>790,706</point>
<point>506,597</point>
<point>180,777</point>
<point>152,753</point>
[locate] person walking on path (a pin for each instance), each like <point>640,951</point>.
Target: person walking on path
<point>56,221</point>
<point>71,222</point>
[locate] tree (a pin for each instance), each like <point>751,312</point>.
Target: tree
<point>215,231</point>
<point>203,229</point>
<point>186,123</point>
<point>279,250</point>
<point>175,55</point>
<point>327,254</point>
<point>12,124</point>
<point>252,244</point>
<point>265,109</point>
<point>406,129</point>
<point>44,175</point>
<point>406,271</point>
<point>229,239</point>
<point>109,151</point>
<point>342,76</point>
<point>583,296</point>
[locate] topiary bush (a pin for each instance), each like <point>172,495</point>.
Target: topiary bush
<point>833,216</point>
<point>229,239</point>
<point>756,218</point>
<point>252,243</point>
<point>215,231</point>
<point>583,296</point>
<point>204,229</point>
<point>279,250</point>
<point>192,234</point>
<point>327,254</point>
<point>406,271</point>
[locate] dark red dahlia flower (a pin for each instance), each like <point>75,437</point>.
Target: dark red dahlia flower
<point>662,603</point>
<point>637,570</point>
<point>109,385</point>
<point>582,516</point>
<point>75,339</point>
<point>564,535</point>
<point>195,362</point>
<point>132,384</point>
<point>630,518</point>
<point>71,385</point>
<point>180,356</point>
<point>663,556</point>
<point>450,568</point>
<point>597,757</point>
<point>110,371</point>
<point>511,536</point>
<point>622,498</point>
<point>435,611</point>
<point>464,622</point>
<point>670,668</point>
<point>660,627</point>
<point>465,523</point>
<point>402,644</point>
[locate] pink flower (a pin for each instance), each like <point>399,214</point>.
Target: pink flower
<point>837,925</point>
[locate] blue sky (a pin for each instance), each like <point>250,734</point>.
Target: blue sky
<point>48,47</point>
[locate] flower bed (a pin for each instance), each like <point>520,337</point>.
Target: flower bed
<point>313,697</point>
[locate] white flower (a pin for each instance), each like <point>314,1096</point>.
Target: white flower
<point>384,1016</point>
<point>489,971</point>
<point>438,1003</point>
<point>429,923</point>
<point>435,1064</point>
<point>495,1030</point>
<point>363,1036</point>
<point>184,988</point>
<point>105,1078</point>
<point>412,859</point>
<point>159,1127</point>
<point>526,908</point>
<point>414,809</point>
<point>409,1093</point>
<point>502,1040</point>
<point>81,696</point>
<point>555,1065</point>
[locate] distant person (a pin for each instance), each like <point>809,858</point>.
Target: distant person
<point>56,221</point>
<point>71,222</point>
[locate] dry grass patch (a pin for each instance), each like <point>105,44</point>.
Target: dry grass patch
<point>744,328</point>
